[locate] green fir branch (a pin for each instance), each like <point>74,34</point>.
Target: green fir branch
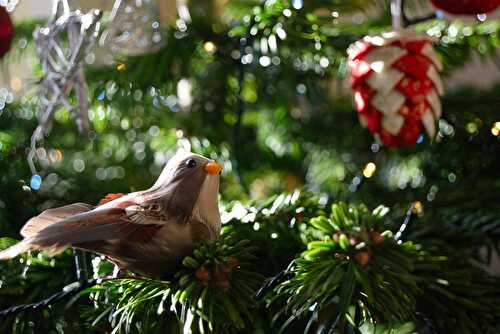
<point>353,276</point>
<point>211,293</point>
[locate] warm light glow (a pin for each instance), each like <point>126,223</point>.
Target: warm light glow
<point>16,84</point>
<point>369,169</point>
<point>55,155</point>
<point>209,47</point>
<point>121,67</point>
<point>495,129</point>
<point>417,207</point>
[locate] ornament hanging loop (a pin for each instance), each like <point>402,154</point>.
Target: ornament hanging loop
<point>401,21</point>
<point>397,14</point>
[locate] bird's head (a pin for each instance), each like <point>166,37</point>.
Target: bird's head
<point>189,186</point>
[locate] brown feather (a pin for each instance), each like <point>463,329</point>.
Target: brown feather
<point>143,234</point>
<point>86,227</point>
<point>51,216</point>
<point>98,225</point>
<point>199,231</point>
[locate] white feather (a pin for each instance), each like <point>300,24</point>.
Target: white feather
<point>206,208</point>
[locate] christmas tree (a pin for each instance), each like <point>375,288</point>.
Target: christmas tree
<point>360,146</point>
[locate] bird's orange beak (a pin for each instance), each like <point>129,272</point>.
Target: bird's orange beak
<point>213,168</point>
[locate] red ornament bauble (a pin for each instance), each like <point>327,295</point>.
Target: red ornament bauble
<point>396,86</point>
<point>467,7</point>
<point>6,31</point>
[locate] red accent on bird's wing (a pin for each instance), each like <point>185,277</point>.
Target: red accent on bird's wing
<point>110,197</point>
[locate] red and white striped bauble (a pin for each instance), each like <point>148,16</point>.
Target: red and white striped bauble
<point>396,83</point>
<point>466,7</point>
<point>6,31</point>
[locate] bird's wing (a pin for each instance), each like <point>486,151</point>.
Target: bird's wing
<point>75,224</point>
<point>51,216</point>
<point>123,220</point>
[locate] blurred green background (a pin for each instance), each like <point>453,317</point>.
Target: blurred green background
<point>261,87</point>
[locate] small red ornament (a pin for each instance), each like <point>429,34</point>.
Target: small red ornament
<point>467,7</point>
<point>6,31</point>
<point>376,237</point>
<point>363,257</point>
<point>232,263</point>
<point>221,278</point>
<point>396,86</point>
<point>203,274</point>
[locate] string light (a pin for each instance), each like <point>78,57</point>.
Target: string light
<point>495,129</point>
<point>417,207</point>
<point>297,4</point>
<point>481,17</point>
<point>209,47</point>
<point>121,67</point>
<point>36,182</point>
<point>369,170</point>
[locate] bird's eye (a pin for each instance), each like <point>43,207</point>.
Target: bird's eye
<point>191,163</point>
